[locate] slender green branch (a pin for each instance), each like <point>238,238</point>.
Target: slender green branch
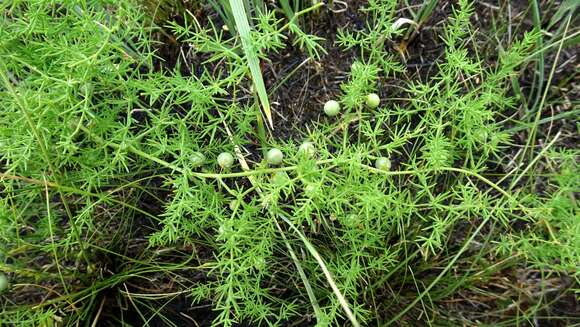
<point>20,101</point>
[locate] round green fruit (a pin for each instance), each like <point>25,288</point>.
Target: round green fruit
<point>373,100</point>
<point>307,149</point>
<point>197,159</point>
<point>274,156</point>
<point>383,163</point>
<point>3,282</point>
<point>225,160</point>
<point>331,108</point>
<point>280,178</point>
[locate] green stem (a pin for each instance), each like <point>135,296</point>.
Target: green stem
<point>44,151</point>
<point>319,162</point>
<point>300,13</point>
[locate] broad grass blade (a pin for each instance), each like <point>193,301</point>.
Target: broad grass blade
<point>243,28</point>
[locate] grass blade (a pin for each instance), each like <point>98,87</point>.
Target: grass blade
<point>436,280</point>
<point>311,296</point>
<point>243,28</point>
<point>329,279</point>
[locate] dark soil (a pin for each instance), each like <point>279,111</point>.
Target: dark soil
<point>299,101</point>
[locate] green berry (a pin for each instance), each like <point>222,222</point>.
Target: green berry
<point>331,108</point>
<point>225,160</point>
<point>259,263</point>
<point>310,189</point>
<point>373,100</point>
<point>351,220</point>
<point>383,163</point>
<point>481,135</point>
<point>234,204</point>
<point>280,178</point>
<point>274,156</point>
<point>307,148</point>
<point>226,228</point>
<point>3,282</point>
<point>197,159</point>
